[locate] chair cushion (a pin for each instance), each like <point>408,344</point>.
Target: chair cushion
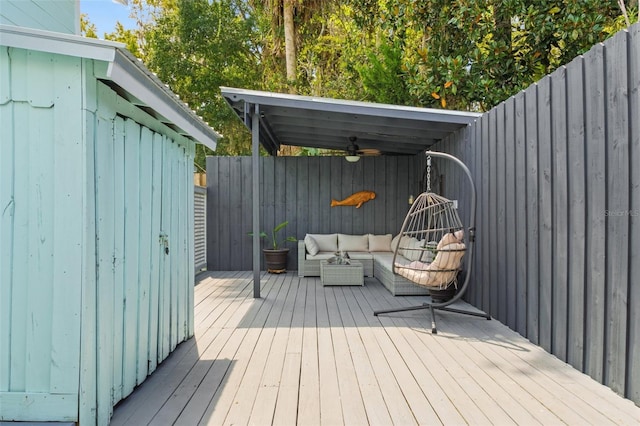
<point>380,242</point>
<point>326,242</point>
<point>311,245</point>
<point>353,242</point>
<point>451,238</point>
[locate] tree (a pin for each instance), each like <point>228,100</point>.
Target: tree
<point>198,46</point>
<point>288,17</point>
<point>87,28</point>
<point>473,54</point>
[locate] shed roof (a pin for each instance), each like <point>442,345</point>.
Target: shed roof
<point>328,123</point>
<point>125,73</point>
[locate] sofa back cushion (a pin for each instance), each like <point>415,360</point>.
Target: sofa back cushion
<point>326,242</point>
<point>353,242</point>
<point>380,242</point>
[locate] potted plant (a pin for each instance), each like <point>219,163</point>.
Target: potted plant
<point>275,256</point>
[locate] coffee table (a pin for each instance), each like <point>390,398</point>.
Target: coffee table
<point>340,274</point>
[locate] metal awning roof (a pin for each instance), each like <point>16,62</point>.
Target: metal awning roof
<point>328,123</point>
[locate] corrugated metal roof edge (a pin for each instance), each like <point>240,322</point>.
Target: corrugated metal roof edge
<point>341,105</point>
<point>124,69</point>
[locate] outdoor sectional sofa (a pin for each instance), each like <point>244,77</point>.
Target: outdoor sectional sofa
<point>374,251</point>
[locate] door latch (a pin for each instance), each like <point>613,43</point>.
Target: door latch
<point>164,240</point>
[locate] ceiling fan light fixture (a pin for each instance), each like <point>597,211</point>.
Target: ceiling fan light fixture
<point>352,151</point>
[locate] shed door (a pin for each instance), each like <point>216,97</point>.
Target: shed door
<point>144,195</point>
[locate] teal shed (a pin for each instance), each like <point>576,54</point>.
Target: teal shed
<point>96,224</point>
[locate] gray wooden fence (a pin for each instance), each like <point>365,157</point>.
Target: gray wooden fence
<point>557,169</point>
<point>300,189</point>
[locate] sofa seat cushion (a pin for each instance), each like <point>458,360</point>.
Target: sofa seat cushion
<point>385,260</point>
<point>322,255</point>
<point>354,243</point>
<point>360,255</point>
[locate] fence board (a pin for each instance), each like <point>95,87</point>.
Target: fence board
<point>560,225</point>
<point>391,186</point>
<point>214,221</point>
<point>500,232</point>
<point>484,220</point>
<point>337,192</point>
<point>617,231</point>
<point>379,178</point>
<point>633,374</point>
<point>532,207</point>
<point>224,198</point>
<point>545,208</point>
<point>510,212</point>
<point>596,205</point>
<point>247,200</point>
<point>235,210</point>
<point>303,199</point>
<point>521,215</point>
<point>315,188</point>
<point>576,171</point>
<point>479,275</point>
<point>492,213</point>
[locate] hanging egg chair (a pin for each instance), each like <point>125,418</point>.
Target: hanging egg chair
<point>432,246</point>
<point>430,250</point>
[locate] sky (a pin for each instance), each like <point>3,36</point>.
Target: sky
<point>104,14</point>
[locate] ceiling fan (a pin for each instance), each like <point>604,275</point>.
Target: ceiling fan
<point>354,152</point>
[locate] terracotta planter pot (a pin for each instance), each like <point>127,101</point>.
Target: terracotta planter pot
<point>276,260</point>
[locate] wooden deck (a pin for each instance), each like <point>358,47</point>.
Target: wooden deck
<point>308,354</point>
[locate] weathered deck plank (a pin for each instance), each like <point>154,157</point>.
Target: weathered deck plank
<point>306,354</point>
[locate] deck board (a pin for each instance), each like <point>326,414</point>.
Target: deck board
<point>308,354</point>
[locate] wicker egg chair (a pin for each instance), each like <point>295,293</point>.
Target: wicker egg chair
<point>432,245</point>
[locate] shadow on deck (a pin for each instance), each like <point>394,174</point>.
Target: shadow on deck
<point>308,354</point>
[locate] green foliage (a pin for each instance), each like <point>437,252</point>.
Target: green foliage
<point>382,75</point>
<point>198,47</point>
<point>87,28</point>
<point>129,37</point>
<point>473,54</point>
<point>459,54</point>
<point>274,242</point>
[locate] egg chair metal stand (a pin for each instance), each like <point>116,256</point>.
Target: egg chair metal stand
<point>432,244</point>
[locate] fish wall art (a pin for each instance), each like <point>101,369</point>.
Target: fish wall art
<point>357,199</point>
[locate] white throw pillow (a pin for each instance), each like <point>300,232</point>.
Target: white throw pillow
<point>311,245</point>
<point>417,252</point>
<point>394,242</point>
<point>326,242</point>
<point>353,242</point>
<point>380,242</point>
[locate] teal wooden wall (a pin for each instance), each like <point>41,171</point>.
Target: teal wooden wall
<point>41,203</point>
<point>91,187</point>
<point>52,15</point>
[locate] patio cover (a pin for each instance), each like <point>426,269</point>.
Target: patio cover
<point>328,123</point>
<point>277,119</point>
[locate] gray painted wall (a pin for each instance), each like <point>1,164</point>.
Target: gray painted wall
<point>300,189</point>
<point>558,241</point>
